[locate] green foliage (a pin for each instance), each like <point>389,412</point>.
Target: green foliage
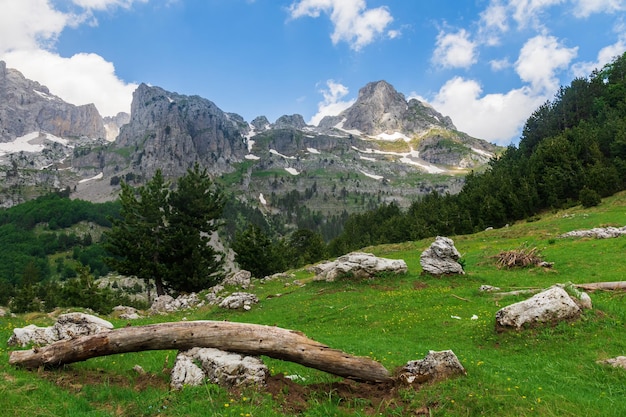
<point>589,198</point>
<point>257,253</point>
<point>163,234</point>
<point>305,247</point>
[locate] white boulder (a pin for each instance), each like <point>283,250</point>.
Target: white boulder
<point>239,300</point>
<point>551,305</point>
<point>226,369</point>
<point>359,265</point>
<point>436,366</point>
<point>441,258</point>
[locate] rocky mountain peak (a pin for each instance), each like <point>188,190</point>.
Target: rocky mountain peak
<point>379,109</point>
<point>294,121</point>
<point>28,106</point>
<point>173,131</point>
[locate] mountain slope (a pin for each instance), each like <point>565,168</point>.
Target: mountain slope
<point>382,149</point>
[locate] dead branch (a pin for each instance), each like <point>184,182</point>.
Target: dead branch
<point>249,339</point>
<point>520,258</point>
<point>608,286</point>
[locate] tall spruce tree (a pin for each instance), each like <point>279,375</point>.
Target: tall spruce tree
<point>162,235</point>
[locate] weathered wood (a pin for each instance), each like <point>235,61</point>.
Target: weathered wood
<point>249,339</point>
<point>612,285</point>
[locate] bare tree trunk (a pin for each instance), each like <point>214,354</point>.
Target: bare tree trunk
<point>615,285</point>
<point>250,339</point>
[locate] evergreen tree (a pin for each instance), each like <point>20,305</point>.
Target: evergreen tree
<point>257,253</point>
<point>163,235</point>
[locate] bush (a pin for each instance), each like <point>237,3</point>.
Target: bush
<point>589,198</point>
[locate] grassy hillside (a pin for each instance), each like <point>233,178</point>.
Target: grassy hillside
<point>547,371</point>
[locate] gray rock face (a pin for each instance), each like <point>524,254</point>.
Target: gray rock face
<point>553,304</point>
<point>113,124</point>
<point>294,121</point>
<point>27,106</point>
<point>260,123</point>
<point>381,109</point>
<point>68,326</point>
<point>436,366</point>
<point>441,258</point>
<point>239,300</point>
<point>241,278</point>
<point>226,369</point>
<point>359,265</point>
<point>598,233</point>
<point>166,303</point>
<point>171,132</point>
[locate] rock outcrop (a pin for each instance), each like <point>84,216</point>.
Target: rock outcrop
<point>225,369</point>
<point>436,366</point>
<point>27,106</point>
<point>68,326</point>
<point>167,304</point>
<point>239,300</point>
<point>597,232</point>
<point>358,265</point>
<point>174,131</point>
<point>441,258</point>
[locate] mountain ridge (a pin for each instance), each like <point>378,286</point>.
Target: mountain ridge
<point>382,143</point>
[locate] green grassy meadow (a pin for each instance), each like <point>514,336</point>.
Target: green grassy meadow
<point>544,371</point>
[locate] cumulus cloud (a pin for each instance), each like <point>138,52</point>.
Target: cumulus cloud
<point>28,33</point>
<point>333,102</point>
<point>80,79</point>
<point>539,60</point>
<point>494,117</point>
<point>353,22</point>
<point>500,117</point>
<point>454,50</point>
<point>29,24</point>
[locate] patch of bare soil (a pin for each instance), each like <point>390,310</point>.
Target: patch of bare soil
<point>372,398</point>
<point>74,380</point>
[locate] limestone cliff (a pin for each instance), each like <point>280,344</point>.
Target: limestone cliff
<point>27,106</point>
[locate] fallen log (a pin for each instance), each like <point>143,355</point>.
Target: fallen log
<point>249,339</point>
<point>609,286</point>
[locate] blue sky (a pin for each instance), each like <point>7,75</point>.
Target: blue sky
<point>485,63</point>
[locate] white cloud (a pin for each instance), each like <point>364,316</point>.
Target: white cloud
<point>539,60</point>
<point>499,64</point>
<point>106,4</point>
<point>529,12</point>
<point>353,22</point>
<point>605,55</point>
<point>28,24</point>
<point>81,79</point>
<point>585,8</point>
<point>493,22</point>
<point>454,50</point>
<point>495,117</point>
<point>332,104</point>
<point>28,32</point>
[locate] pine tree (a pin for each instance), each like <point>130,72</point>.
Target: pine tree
<point>162,235</point>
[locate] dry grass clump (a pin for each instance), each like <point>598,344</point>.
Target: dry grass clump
<point>520,258</point>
